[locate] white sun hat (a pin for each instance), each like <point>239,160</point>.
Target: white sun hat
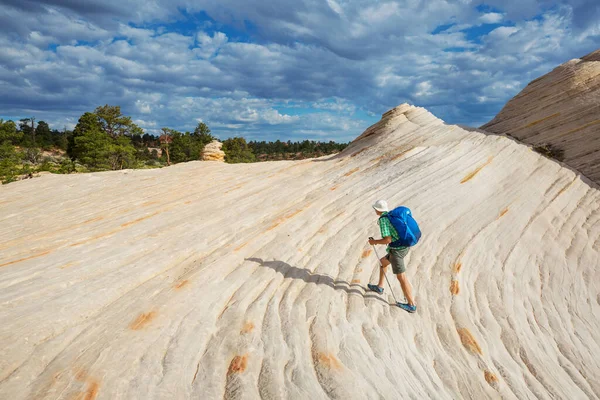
<point>381,206</point>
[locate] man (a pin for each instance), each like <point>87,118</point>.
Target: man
<point>394,256</point>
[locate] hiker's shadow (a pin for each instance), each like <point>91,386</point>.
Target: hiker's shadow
<point>307,276</point>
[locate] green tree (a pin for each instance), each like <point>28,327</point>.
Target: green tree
<point>61,139</point>
<point>200,138</point>
<point>165,141</point>
<point>89,143</point>
<point>93,149</point>
<point>10,158</point>
<point>179,149</point>
<point>9,132</point>
<point>114,123</point>
<point>237,151</point>
<point>28,131</point>
<point>43,135</point>
<point>10,161</point>
<point>88,121</point>
<point>102,139</point>
<point>121,153</point>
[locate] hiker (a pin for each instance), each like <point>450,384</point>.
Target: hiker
<point>395,256</point>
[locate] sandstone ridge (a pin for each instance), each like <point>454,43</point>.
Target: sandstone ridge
<point>561,109</point>
<point>211,280</point>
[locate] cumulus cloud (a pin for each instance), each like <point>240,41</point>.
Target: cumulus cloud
<point>491,18</point>
<point>280,69</point>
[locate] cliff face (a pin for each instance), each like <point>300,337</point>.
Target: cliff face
<point>562,109</point>
<point>210,280</point>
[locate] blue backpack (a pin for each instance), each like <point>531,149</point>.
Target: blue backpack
<point>406,226</point>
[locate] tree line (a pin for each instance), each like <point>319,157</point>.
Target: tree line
<point>105,139</point>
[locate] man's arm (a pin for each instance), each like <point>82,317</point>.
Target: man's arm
<point>385,240</point>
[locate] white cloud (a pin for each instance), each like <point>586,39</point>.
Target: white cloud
<point>208,46</point>
<point>143,107</point>
<point>424,89</point>
<point>335,7</point>
<point>491,18</point>
<point>502,32</point>
<point>273,117</point>
<point>379,13</point>
<point>331,58</point>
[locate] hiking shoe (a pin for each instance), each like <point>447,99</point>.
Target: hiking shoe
<point>375,288</point>
<point>407,307</point>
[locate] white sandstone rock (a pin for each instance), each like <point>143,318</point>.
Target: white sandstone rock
<point>562,109</point>
<point>210,280</point>
<point>213,152</point>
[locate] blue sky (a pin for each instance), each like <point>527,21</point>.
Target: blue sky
<point>291,69</point>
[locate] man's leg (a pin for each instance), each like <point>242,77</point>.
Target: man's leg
<point>406,288</point>
<point>385,262</point>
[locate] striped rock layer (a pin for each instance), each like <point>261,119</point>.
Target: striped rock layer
<point>562,109</point>
<point>247,281</point>
<point>213,152</point>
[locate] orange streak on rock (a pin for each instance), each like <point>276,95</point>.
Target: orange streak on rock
<point>468,340</point>
<point>181,284</point>
<point>81,374</point>
<point>135,221</point>
<point>397,156</point>
<point>329,360</point>
<point>454,288</point>
<point>503,213</point>
<point>333,188</point>
<point>238,364</point>
<point>95,238</point>
<point>281,220</point>
<point>93,220</point>
<point>366,253</point>
<point>539,121</point>
<point>358,152</point>
<point>241,246</point>
<point>142,320</point>
<point>490,377</point>
<point>91,393</point>
<point>581,127</point>
<point>351,171</point>
<point>456,268</point>
<point>472,174</point>
<point>68,265</point>
<point>26,258</point>
<point>355,281</point>
<point>247,328</point>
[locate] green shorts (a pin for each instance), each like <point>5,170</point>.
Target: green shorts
<point>396,258</point>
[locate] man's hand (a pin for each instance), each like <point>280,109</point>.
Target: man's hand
<point>372,241</point>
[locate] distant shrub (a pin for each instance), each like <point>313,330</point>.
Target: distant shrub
<point>550,151</point>
<point>67,166</point>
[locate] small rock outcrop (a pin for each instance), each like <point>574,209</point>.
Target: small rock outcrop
<point>213,152</point>
<point>559,111</point>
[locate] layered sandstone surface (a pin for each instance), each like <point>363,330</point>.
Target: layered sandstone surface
<point>213,152</point>
<point>562,109</point>
<point>209,280</point>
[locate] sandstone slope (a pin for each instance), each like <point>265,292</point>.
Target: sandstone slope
<point>562,109</point>
<point>209,280</point>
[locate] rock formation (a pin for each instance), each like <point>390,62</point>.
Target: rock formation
<point>213,152</point>
<point>210,280</point>
<point>561,109</point>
